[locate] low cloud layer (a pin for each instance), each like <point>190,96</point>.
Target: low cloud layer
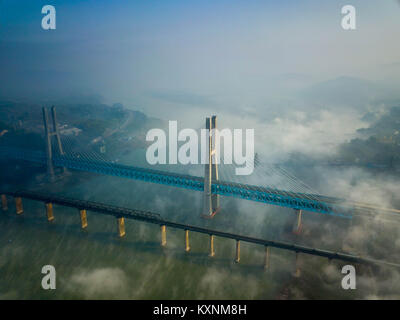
<point>99,282</point>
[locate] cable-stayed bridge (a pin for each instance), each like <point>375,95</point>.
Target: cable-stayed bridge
<point>283,198</point>
<point>295,200</point>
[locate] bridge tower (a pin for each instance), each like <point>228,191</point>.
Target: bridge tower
<point>49,134</point>
<point>211,201</point>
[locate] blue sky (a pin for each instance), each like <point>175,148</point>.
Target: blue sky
<point>130,50</point>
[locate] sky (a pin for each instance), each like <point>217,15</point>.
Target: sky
<point>154,55</point>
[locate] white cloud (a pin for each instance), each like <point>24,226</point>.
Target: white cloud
<point>110,283</point>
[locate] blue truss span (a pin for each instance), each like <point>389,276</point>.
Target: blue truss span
<point>298,201</point>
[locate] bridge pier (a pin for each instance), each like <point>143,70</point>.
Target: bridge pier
<point>4,203</point>
<point>163,235</point>
<point>266,259</point>
<point>212,252</point>
<point>49,211</point>
<point>297,272</point>
<point>18,205</point>
<point>237,258</point>
<point>187,246</point>
<point>299,225</point>
<point>83,216</point>
<point>121,226</point>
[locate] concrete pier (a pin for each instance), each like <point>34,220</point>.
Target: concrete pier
<point>121,227</point>
<point>49,211</point>
<point>163,235</point>
<point>83,216</point>
<point>297,272</point>
<point>4,203</point>
<point>187,246</point>
<point>212,252</point>
<point>266,258</point>
<point>237,258</point>
<point>18,205</point>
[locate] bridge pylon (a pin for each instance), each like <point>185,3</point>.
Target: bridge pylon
<point>211,201</point>
<point>49,133</point>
